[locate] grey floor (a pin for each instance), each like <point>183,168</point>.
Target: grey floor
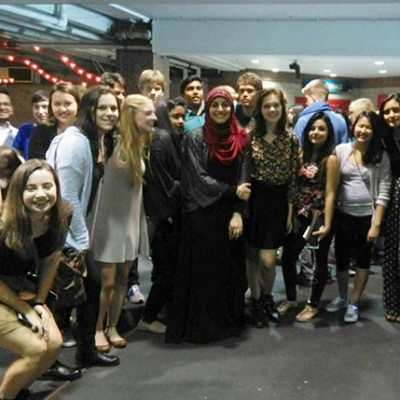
<point>324,359</point>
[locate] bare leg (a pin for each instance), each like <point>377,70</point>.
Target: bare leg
<point>360,281</point>
<point>253,273</point>
<point>117,298</point>
<point>35,356</point>
<point>268,271</point>
<point>108,276</point>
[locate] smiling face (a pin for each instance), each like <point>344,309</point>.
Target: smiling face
<point>64,108</point>
<point>391,113</point>
<point>6,108</point>
<point>318,133</point>
<point>271,108</point>
<point>40,193</point>
<point>40,111</point>
<point>220,110</point>
<point>107,113</point>
<point>146,118</point>
<point>193,93</point>
<point>363,130</point>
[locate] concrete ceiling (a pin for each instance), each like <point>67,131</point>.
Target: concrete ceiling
<point>344,37</point>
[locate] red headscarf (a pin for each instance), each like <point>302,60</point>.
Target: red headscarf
<point>227,140</point>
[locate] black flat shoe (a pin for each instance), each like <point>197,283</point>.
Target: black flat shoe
<point>270,308</point>
<point>96,359</point>
<point>61,372</point>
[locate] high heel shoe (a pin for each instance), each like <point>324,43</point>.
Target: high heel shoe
<point>102,348</point>
<point>119,342</point>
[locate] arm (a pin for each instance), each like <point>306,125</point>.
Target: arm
<point>376,223</point>
<point>11,299</point>
<point>197,184</point>
<point>71,165</point>
<point>163,162</point>
<point>47,272</point>
<point>332,180</point>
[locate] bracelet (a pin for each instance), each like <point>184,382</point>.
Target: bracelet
<point>38,303</point>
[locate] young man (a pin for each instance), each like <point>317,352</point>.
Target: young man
<point>7,131</point>
<point>191,89</point>
<point>115,81</point>
<point>248,86</point>
<point>152,85</point>
<point>40,109</point>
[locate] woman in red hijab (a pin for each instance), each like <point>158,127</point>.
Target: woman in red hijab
<point>210,280</point>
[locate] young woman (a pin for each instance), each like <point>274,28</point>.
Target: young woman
<point>35,223</point>
<point>63,107</point>
<point>78,156</point>
<point>9,162</point>
<point>210,278</point>
<point>275,163</point>
<point>118,228</point>
<point>389,115</point>
<point>363,196</point>
<point>317,182</point>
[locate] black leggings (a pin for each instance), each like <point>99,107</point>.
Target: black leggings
<point>294,244</point>
<point>351,240</point>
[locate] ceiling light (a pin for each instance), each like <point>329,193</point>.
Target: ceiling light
<point>379,62</point>
<point>255,61</point>
<point>382,71</point>
<point>327,70</point>
<point>333,75</point>
<point>275,70</point>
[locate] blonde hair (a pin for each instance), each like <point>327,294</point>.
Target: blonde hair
<point>151,76</point>
<point>318,88</point>
<point>133,145</point>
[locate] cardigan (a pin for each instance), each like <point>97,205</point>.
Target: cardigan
<point>380,174</point>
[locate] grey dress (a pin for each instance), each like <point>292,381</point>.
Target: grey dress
<point>119,226</point>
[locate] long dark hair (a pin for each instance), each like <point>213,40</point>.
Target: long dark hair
<point>9,162</point>
<point>373,155</point>
<point>318,155</point>
<point>258,117</point>
<point>86,119</point>
<point>383,127</point>
<point>17,229</point>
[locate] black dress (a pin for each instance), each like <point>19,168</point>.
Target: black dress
<point>210,280</point>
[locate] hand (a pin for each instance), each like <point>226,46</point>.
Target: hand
<point>45,316</point>
<point>373,233</point>
<point>235,228</point>
<point>35,321</point>
<point>322,232</point>
<point>243,191</point>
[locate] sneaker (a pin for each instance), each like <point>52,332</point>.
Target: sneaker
<point>307,314</point>
<point>351,314</point>
<point>286,305</point>
<point>336,304</point>
<point>134,295</point>
<point>152,327</point>
<point>247,298</point>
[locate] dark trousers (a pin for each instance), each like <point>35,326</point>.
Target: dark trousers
<point>87,312</point>
<point>164,251</point>
<point>293,245</point>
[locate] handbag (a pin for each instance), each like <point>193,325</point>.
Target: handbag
<point>68,283</point>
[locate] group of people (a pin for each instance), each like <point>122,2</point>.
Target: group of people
<point>211,185</point>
